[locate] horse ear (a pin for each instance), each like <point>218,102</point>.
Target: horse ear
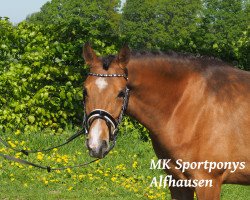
<point>124,56</point>
<point>88,54</point>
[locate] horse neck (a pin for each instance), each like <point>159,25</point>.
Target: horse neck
<point>156,87</point>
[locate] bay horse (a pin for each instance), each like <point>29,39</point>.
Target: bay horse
<point>197,109</point>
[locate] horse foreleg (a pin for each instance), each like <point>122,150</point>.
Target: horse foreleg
<point>181,193</point>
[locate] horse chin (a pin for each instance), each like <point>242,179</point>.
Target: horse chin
<point>96,155</point>
<point>101,154</point>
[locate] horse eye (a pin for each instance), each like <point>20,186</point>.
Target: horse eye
<point>121,94</point>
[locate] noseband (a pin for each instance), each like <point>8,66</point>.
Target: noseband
<point>105,115</point>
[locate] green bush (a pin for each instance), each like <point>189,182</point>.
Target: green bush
<point>41,78</point>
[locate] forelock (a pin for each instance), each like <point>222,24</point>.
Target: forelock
<point>106,61</point>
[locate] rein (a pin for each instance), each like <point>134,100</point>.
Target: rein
<point>48,168</point>
<point>87,121</point>
<point>26,152</point>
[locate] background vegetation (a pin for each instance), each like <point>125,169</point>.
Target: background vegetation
<point>41,67</point>
<point>42,70</point>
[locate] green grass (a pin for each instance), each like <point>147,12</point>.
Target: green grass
<point>123,174</point>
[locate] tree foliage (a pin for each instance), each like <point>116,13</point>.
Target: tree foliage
<point>81,19</point>
<point>8,46</point>
<point>159,24</point>
<point>224,31</point>
<point>211,27</point>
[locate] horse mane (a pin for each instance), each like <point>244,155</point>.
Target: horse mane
<point>204,60</point>
<point>181,56</point>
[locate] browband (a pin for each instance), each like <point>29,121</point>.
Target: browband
<point>108,75</point>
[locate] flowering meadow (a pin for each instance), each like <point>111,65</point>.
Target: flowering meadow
<point>123,174</point>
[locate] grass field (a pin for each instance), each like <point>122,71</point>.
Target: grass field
<point>123,174</point>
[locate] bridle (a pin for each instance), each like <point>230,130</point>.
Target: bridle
<point>105,115</point>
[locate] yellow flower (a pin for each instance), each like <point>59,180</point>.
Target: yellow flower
<point>65,158</point>
<point>18,154</point>
<point>99,171</point>
<point>12,144</point>
<point>135,190</point>
<point>113,179</point>
<point>70,188</point>
<point>81,176</point>
<point>40,156</point>
<point>135,164</point>
<point>17,132</point>
<point>121,167</point>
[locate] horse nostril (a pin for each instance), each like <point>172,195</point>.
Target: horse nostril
<point>105,144</point>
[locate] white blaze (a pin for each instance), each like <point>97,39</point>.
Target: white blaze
<point>101,83</point>
<point>95,133</point>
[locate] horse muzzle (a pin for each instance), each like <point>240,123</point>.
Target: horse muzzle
<point>98,151</point>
